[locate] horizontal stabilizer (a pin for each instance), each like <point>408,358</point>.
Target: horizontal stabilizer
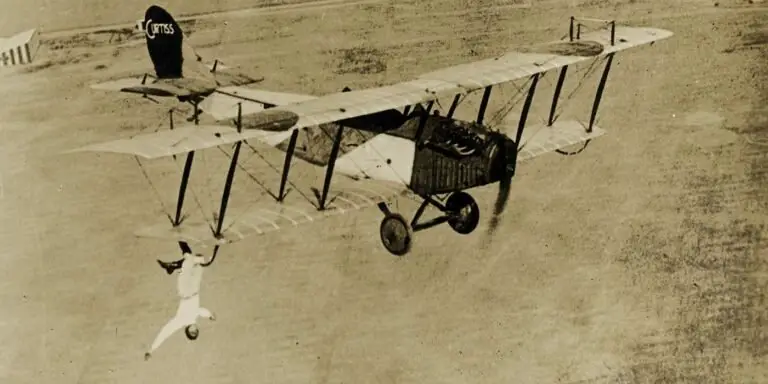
<point>163,87</point>
<point>272,216</point>
<point>538,140</point>
<point>120,84</point>
<point>183,139</point>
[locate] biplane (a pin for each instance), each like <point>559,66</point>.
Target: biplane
<point>436,158</point>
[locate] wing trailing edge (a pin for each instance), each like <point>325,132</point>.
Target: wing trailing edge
<point>269,217</point>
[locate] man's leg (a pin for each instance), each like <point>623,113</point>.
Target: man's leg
<point>172,326</point>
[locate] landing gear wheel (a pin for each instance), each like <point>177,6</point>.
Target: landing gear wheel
<point>464,211</point>
<point>396,234</point>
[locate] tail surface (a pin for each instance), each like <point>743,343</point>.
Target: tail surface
<point>164,42</point>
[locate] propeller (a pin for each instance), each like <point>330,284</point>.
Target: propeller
<point>506,168</point>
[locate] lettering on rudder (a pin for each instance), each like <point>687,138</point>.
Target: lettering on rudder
<point>154,29</point>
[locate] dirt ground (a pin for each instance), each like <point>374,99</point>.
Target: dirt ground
<point>642,260</point>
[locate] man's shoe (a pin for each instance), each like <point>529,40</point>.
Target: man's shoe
<point>169,268</point>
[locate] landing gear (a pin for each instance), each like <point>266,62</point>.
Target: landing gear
<point>460,211</point>
<point>396,234</point>
<point>465,213</point>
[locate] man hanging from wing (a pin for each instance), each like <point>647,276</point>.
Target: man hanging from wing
<point>188,287</point>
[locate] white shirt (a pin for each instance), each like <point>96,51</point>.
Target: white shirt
<point>190,276</point>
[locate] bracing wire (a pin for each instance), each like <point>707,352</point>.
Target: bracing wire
<point>194,195</point>
<point>255,180</point>
<point>154,189</point>
<point>568,99</point>
<point>208,178</point>
<point>278,171</point>
<point>579,85</point>
<point>507,108</point>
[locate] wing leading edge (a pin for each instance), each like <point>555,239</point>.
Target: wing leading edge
<point>460,79</point>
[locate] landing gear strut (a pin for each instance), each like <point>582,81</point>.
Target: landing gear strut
<point>460,211</point>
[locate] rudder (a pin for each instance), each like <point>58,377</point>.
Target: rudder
<point>164,41</point>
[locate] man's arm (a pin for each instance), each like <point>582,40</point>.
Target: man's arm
<point>172,326</point>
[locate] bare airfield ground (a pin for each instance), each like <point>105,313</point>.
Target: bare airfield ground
<point>640,261</point>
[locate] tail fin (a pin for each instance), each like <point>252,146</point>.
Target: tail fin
<point>164,42</point>
<point>167,49</point>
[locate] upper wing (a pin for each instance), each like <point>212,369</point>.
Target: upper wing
<point>465,78</point>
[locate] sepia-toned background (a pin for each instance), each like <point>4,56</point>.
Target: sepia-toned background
<point>641,260</point>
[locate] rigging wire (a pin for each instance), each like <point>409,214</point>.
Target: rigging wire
<point>579,85</point>
<point>194,196</point>
<point>208,178</point>
<point>259,183</point>
<point>279,172</point>
<point>154,189</point>
<point>507,108</point>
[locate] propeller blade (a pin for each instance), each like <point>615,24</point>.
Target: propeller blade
<point>505,183</point>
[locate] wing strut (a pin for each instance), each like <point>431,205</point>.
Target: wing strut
<point>287,165</point>
<point>183,186</point>
<point>423,123</point>
<point>556,96</point>
<point>524,113</point>
<point>230,174</point>
<point>454,104</point>
<point>483,104</point>
<point>227,186</point>
<point>599,94</point>
<point>331,165</point>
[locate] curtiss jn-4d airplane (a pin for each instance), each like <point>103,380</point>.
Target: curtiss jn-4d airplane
<point>436,158</point>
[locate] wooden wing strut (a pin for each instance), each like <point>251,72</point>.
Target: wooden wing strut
<point>454,104</point>
<point>526,108</point>
<point>287,165</point>
<point>483,104</point>
<point>600,90</point>
<point>556,96</point>
<point>331,165</point>
<point>185,248</point>
<point>230,175</point>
